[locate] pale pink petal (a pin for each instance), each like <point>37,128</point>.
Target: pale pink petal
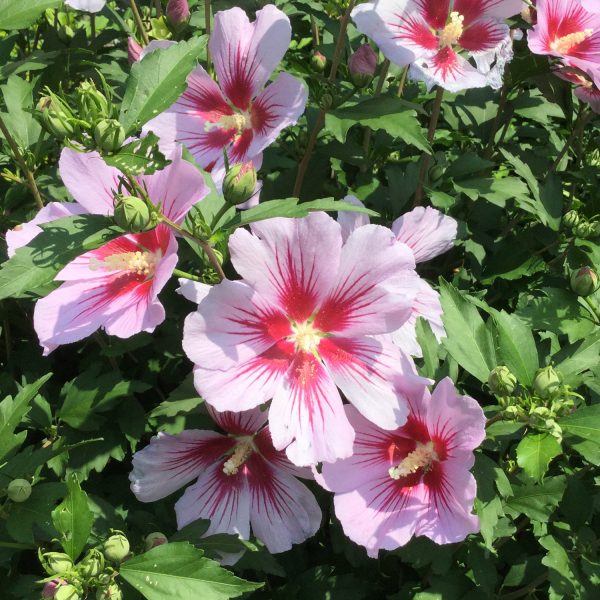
<point>484,35</point>
<point>222,499</point>
<point>155,45</point>
<point>22,234</point>
<point>233,324</point>
<point>278,458</point>
<point>176,188</point>
<point>92,6</point>
<point>278,106</point>
<point>89,180</point>
<point>371,293</point>
<point>195,291</point>
<point>283,511</point>
<point>350,221</point>
<point>307,417</point>
<point>591,95</point>
<point>426,231</point>
<point>284,260</point>
<point>499,9</point>
<point>247,422</point>
<point>245,54</point>
<point>169,462</point>
<point>591,5</point>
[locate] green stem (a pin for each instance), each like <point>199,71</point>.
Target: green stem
<point>138,21</point>
<point>207,18</point>
<point>501,105</point>
<point>158,8</point>
<point>368,132</point>
<point>21,162</point>
<point>593,307</point>
<point>581,121</point>
<point>226,206</point>
<point>185,275</point>
<point>403,79</point>
<point>93,26</point>
<point>18,546</point>
<point>435,115</point>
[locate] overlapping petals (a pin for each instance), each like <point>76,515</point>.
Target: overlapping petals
<point>437,38</point>
<point>585,89</point>
<point>242,482</point>
<point>412,481</point>
<point>299,325</point>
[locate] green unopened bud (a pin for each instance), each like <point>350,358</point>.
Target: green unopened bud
<point>571,219</point>
<point>93,104</point>
<point>583,230</point>
<point>501,381</point>
<point>67,592</point>
<point>546,382</point>
<point>542,412</point>
<point>116,547</point>
<point>56,117</point>
<point>318,61</point>
<point>239,183</point>
<point>436,173</point>
<point>132,214</point>
<point>56,563</point>
<point>156,538</point>
<point>595,229</point>
<point>112,592</point>
<point>91,565</point>
<point>326,101</point>
<point>18,490</point>
<point>109,135</point>
<point>584,281</point>
<point>512,412</point>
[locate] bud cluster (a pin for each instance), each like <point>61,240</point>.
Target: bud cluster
<point>580,227</point>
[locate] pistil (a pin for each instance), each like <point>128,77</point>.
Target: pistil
<point>240,455</point>
<point>142,263</point>
<point>421,457</point>
<point>566,43</point>
<point>453,30</point>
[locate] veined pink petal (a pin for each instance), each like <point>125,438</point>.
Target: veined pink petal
<point>176,188</point>
<point>169,462</point>
<point>22,234</point>
<point>426,231</point>
<point>483,35</point>
<point>284,260</point>
<point>472,10</point>
<point>366,299</point>
<point>591,95</point>
<point>278,458</point>
<point>591,5</point>
<point>245,54</point>
<point>222,499</point>
<point>283,511</point>
<point>278,106</point>
<point>349,221</point>
<point>435,12</point>
<point>233,324</point>
<point>195,291</point>
<point>247,422</point>
<point>89,180</point>
<point>307,416</point>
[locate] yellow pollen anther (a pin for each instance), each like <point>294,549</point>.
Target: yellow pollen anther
<point>453,30</point>
<point>306,337</point>
<point>140,263</point>
<point>564,44</point>
<point>240,455</point>
<point>238,121</point>
<point>422,456</point>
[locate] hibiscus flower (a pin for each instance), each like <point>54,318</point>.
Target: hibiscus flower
<point>91,6</point>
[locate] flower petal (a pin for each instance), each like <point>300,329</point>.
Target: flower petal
<point>307,416</point>
<point>426,231</point>
<point>92,6</point>
<point>245,54</point>
<point>350,221</point>
<point>483,35</point>
<point>194,291</point>
<point>169,462</point>
<point>472,10</point>
<point>246,422</point>
<point>283,511</point>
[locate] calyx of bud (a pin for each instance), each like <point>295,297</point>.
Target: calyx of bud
<point>56,116</point>
<point>584,281</point>
<point>109,135</point>
<point>501,381</point>
<point>362,66</point>
<point>67,592</point>
<point>93,104</point>
<point>239,183</point>
<point>156,538</point>
<point>116,547</point>
<point>132,214</point>
<point>92,564</point>
<point>546,382</point>
<point>18,490</point>
<point>318,61</point>
<point>112,592</point>
<point>571,219</point>
<point>56,563</point>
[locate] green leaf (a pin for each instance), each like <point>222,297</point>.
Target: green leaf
<point>562,577</point>
<point>11,413</point>
<point>291,208</point>
<point>182,399</point>
<point>393,115</point>
<point>577,358</point>
<point>139,157</point>
<point>157,81</point>
<point>18,97</point>
<point>537,501</point>
<point>15,14</point>
<point>429,346</point>
<point>468,339</point>
<point>73,519</point>
<point>516,346</point>
<point>534,453</point>
<point>36,264</point>
<point>583,423</point>
<point>178,570</point>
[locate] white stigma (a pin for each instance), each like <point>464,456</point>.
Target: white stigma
<point>453,30</point>
<point>140,263</point>
<point>240,455</point>
<point>421,457</point>
<point>566,43</point>
<point>305,337</point>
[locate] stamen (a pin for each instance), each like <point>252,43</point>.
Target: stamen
<point>453,30</point>
<point>566,43</point>
<point>238,121</point>
<point>421,457</point>
<point>306,337</point>
<point>140,263</point>
<point>240,455</point>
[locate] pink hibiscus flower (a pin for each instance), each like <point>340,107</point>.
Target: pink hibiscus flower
<point>566,30</point>
<point>115,286</point>
<point>428,233</point>
<point>242,481</point>
<point>412,481</point>
<point>585,89</point>
<point>437,37</point>
<point>239,116</point>
<point>299,324</point>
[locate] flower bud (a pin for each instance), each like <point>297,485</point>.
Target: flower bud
<point>571,219</point>
<point>132,214</point>
<point>501,381</point>
<point>67,592</point>
<point>362,66</point>
<point>584,281</point>
<point>56,117</point>
<point>595,229</point>
<point>512,412</point>
<point>318,61</point>
<point>178,13</point>
<point>326,101</point>
<point>112,592</point>
<point>116,547</point>
<point>436,173</point>
<point>19,490</point>
<point>49,589</point>
<point>109,135</point>
<point>93,104</point>
<point>583,230</point>
<point>546,382</point>
<point>91,565</point>
<point>156,538</point>
<point>239,183</point>
<point>134,50</point>
<point>56,563</point>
